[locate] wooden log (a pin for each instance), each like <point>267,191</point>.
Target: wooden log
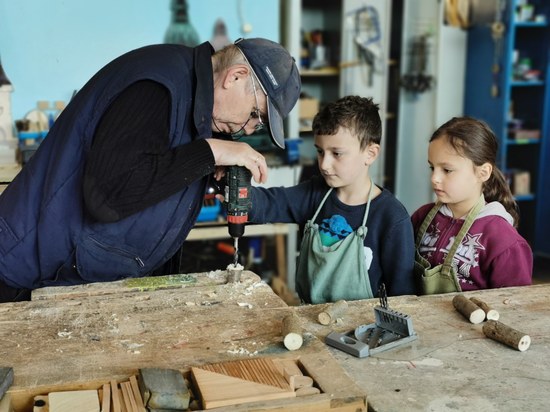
<point>490,313</point>
<point>332,312</point>
<point>505,334</point>
<point>292,332</point>
<point>468,309</point>
<point>40,403</point>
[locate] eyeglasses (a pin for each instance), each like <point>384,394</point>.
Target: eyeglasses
<point>254,114</point>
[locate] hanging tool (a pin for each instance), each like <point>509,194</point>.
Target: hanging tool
<point>237,201</point>
<point>367,35</point>
<point>497,33</point>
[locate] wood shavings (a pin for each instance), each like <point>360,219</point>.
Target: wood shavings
<point>242,351</point>
<point>244,305</point>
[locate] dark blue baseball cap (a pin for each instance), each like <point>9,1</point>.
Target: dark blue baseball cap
<point>279,77</point>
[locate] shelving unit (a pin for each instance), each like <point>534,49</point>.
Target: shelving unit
<point>521,102</point>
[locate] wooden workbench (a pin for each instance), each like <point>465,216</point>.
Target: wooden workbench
<point>452,366</point>
<point>81,337</point>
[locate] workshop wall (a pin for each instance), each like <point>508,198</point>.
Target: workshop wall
<point>51,48</point>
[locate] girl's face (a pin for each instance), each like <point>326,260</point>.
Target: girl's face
<point>456,181</point>
<point>342,162</point>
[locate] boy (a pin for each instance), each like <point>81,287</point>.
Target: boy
<point>357,235</point>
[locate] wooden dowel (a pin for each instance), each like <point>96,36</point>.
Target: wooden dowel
<point>332,312</point>
<point>292,332</point>
<point>505,334</point>
<point>490,313</point>
<point>468,309</point>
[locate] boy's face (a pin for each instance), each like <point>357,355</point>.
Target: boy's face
<point>342,162</point>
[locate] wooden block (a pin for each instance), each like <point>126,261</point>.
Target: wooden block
<point>163,389</point>
<point>306,391</point>
<point>128,397</point>
<point>217,390</point>
<point>71,401</point>
<point>293,374</point>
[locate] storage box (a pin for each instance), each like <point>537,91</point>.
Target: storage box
<point>308,108</point>
<point>523,134</point>
<point>521,182</point>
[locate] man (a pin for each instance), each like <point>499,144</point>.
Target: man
<point>117,185</point>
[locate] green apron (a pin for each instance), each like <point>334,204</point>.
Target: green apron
<point>330,273</point>
<point>441,278</point>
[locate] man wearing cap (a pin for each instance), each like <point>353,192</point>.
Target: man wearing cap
<point>117,185</point>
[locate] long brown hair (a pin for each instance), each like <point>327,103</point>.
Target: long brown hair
<point>475,140</point>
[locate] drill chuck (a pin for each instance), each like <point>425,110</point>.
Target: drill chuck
<point>237,199</point>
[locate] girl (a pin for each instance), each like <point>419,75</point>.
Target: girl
<point>471,190</point>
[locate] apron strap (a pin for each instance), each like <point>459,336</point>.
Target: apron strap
<point>314,218</point>
<point>468,222</point>
<point>427,220</point>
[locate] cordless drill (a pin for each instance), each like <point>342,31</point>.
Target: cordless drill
<point>237,200</point>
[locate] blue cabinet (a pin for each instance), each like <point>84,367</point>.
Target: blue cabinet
<point>507,85</point>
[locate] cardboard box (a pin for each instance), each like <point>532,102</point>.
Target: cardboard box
<point>308,108</point>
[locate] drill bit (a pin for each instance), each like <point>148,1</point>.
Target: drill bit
<point>236,253</point>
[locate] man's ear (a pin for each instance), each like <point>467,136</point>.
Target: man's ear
<point>234,74</point>
<point>371,153</point>
<point>485,171</point>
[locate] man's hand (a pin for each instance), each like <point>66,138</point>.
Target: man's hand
<point>230,153</point>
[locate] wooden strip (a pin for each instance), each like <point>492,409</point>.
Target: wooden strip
<point>137,393</point>
<point>106,401</point>
<point>115,397</point>
<point>217,390</point>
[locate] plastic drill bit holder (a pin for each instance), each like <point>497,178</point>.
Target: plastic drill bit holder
<point>391,329</point>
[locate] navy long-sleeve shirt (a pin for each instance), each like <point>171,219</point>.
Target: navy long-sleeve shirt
<point>389,236</point>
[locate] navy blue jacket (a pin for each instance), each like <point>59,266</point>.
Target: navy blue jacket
<point>46,235</point>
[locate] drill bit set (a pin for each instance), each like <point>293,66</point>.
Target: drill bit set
<point>391,329</point>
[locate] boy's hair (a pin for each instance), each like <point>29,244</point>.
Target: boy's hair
<point>357,114</point>
<point>475,140</point>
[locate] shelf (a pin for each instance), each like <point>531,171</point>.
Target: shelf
<point>518,142</point>
<point>524,198</point>
<point>326,71</point>
<point>526,83</point>
<point>531,24</point>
